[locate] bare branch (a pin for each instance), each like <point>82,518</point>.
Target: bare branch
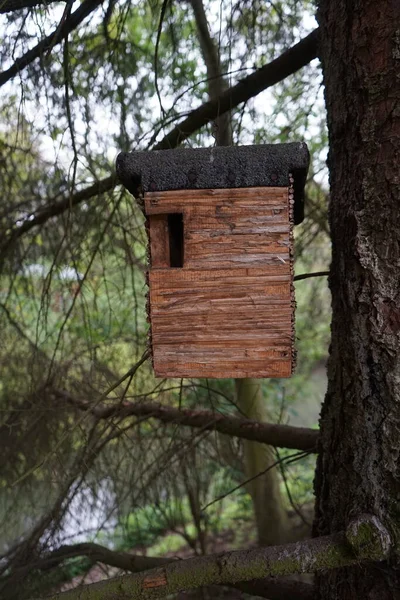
<point>57,207</point>
<point>11,5</point>
<point>281,436</point>
<point>308,275</point>
<point>95,552</point>
<point>127,376</point>
<point>164,7</point>
<point>84,10</point>
<point>269,587</point>
<point>216,82</point>
<point>288,63</point>
<point>314,555</point>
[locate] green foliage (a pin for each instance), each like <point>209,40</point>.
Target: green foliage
<point>73,567</point>
<point>163,527</point>
<point>145,525</point>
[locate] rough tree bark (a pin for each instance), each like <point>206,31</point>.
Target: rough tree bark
<point>358,467</point>
<point>271,518</point>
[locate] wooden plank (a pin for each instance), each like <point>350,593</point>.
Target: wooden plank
<point>242,287</point>
<point>256,218</point>
<point>238,260</point>
<point>238,329</point>
<point>166,352</point>
<point>248,239</point>
<point>227,341</point>
<point>202,304</point>
<point>188,276</point>
<point>178,200</point>
<point>228,369</point>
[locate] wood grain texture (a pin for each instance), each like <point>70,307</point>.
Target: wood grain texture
<point>228,312</point>
<point>159,243</point>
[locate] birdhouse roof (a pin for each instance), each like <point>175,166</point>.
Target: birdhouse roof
<point>220,167</point>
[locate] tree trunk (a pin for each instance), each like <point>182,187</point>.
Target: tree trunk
<point>358,468</point>
<point>271,517</point>
<point>215,80</point>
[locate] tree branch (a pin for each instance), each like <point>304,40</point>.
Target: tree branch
<point>11,5</point>
<point>216,82</point>
<point>57,207</point>
<point>97,553</point>
<point>280,436</point>
<point>365,539</point>
<point>269,587</point>
<point>84,10</point>
<point>308,275</point>
<point>288,63</point>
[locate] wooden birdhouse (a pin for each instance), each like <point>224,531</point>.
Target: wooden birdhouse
<point>220,223</point>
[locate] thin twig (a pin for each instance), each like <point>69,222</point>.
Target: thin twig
<point>288,459</point>
<point>309,275</point>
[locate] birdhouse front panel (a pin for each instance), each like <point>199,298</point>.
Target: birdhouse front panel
<point>227,309</point>
<point>220,224</point>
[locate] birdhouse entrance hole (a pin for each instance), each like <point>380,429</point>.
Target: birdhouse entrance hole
<point>167,240</point>
<point>175,236</point>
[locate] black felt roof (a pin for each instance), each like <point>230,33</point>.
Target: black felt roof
<point>216,168</point>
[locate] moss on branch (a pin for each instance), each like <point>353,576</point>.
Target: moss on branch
<point>365,538</point>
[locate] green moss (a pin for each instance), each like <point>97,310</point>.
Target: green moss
<point>368,538</point>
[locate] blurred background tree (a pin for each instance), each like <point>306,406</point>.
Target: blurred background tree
<point>78,476</point>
